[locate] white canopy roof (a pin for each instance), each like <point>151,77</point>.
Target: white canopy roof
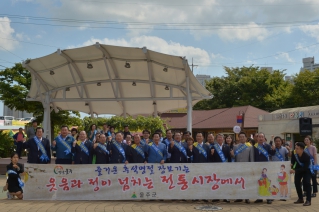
<point>155,82</point>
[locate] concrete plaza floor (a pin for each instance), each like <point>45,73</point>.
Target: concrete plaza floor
<point>144,206</point>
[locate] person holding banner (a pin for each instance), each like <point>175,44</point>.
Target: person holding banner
<point>82,150</point>
<point>14,182</point>
<point>100,150</point>
<point>311,150</point>
<point>300,162</point>
<point>201,152</point>
<point>243,152</point>
<point>262,154</point>
<point>220,153</point>
<point>117,149</point>
<point>136,152</point>
<point>39,148</point>
<point>62,145</point>
<point>156,150</point>
<point>177,149</point>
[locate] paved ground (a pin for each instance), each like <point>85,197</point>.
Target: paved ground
<point>143,206</point>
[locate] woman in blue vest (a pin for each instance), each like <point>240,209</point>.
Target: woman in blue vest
<point>14,183</point>
<point>92,133</point>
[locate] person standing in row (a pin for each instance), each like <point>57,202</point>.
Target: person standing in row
<point>92,133</point>
<point>82,150</point>
<point>117,149</point>
<point>220,152</point>
<point>62,144</point>
<point>136,152</point>
<point>19,138</point>
<point>300,162</point>
<point>201,152</point>
<point>177,149</point>
<point>167,141</point>
<point>311,150</point>
<point>156,151</point>
<point>146,137</point>
<point>243,153</point>
<point>39,148</point>
<point>100,150</point>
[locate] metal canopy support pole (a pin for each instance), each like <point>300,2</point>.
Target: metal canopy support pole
<point>189,98</point>
<point>46,117</point>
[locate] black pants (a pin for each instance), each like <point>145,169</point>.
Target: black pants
<point>19,148</point>
<point>63,161</point>
<point>314,182</point>
<point>305,178</point>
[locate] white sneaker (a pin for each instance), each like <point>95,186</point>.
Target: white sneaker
<point>10,196</point>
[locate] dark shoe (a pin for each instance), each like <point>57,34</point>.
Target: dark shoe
<point>269,201</point>
<point>307,203</point>
<point>205,200</point>
<point>258,201</point>
<point>313,195</point>
<point>247,201</point>
<point>215,200</point>
<point>226,200</point>
<point>283,200</point>
<point>299,201</point>
<point>238,200</point>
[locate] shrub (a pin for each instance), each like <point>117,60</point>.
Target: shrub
<point>6,145</point>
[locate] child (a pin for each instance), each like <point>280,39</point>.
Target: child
<point>14,182</point>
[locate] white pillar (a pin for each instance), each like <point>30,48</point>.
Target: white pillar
<point>189,105</point>
<point>46,117</point>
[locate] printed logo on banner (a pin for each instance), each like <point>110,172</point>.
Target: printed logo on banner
<point>59,170</point>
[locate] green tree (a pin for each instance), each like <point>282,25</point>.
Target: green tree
<point>6,145</point>
<point>247,86</point>
<point>305,90</point>
<point>15,83</point>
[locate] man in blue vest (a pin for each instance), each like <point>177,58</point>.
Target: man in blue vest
<point>156,150</point>
<point>167,141</point>
<point>117,149</point>
<point>82,150</point>
<point>39,148</point>
<point>201,151</point>
<point>177,148</point>
<point>62,144</point>
<point>100,150</point>
<point>136,152</point>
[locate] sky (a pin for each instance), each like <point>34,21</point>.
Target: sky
<point>214,33</point>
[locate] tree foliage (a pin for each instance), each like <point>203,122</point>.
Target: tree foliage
<point>6,145</point>
<point>247,86</point>
<point>15,83</point>
<point>135,124</point>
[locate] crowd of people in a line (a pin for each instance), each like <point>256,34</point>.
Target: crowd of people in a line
<point>107,147</point>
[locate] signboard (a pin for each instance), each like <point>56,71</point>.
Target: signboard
<point>154,181</point>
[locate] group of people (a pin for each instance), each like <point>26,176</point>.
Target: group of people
<point>106,146</point>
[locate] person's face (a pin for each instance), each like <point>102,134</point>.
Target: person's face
<point>102,139</point>
<point>220,139</point>
<point>199,138</point>
<point>34,124</point>
<point>39,133</point>
<point>126,129</point>
<point>146,135</point>
<point>256,137</point>
<point>156,138</point>
<point>228,140</point>
<point>93,127</point>
<point>189,142</point>
<point>128,138</point>
<point>64,131</point>
<point>261,138</point>
<point>177,137</point>
<point>20,130</point>
<point>264,171</point>
<point>210,138</point>
<point>82,135</point>
<point>112,130</point>
<point>169,134</point>
<point>104,127</point>
<point>282,168</point>
<point>277,142</point>
<point>242,138</point>
<point>119,137</point>
<point>307,141</point>
<point>299,150</point>
<point>73,132</point>
<point>15,159</point>
<point>128,142</point>
<point>137,139</point>
<point>186,136</point>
